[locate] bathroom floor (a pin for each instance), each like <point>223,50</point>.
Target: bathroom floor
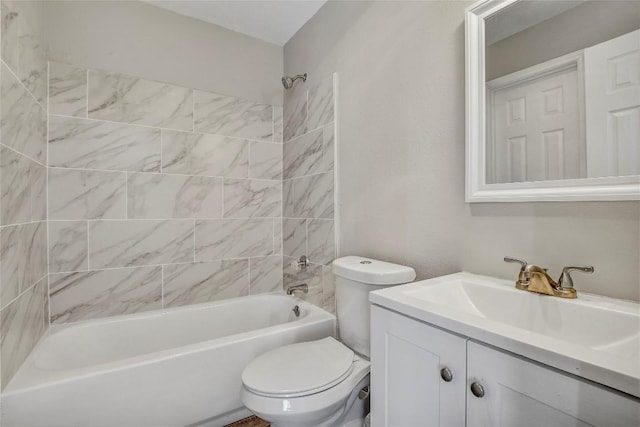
<point>250,422</point>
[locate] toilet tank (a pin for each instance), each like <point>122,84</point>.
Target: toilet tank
<point>355,278</point>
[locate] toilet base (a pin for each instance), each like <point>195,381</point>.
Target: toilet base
<point>352,414</point>
<point>333,407</point>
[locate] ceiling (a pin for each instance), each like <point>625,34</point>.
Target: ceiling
<point>272,21</point>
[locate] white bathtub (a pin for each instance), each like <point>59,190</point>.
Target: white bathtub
<point>173,367</point>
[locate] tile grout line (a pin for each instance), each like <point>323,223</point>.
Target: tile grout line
<point>19,80</point>
<point>22,223</point>
<point>126,195</point>
<point>63,168</point>
<point>86,113</point>
<point>22,293</point>
<point>88,248</point>
<point>46,190</point>
<point>139,125</point>
<point>161,150</point>
<point>249,284</point>
<point>185,219</point>
<point>26,156</point>
<point>133,267</point>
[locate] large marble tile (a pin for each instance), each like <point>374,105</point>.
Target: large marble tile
<point>103,293</point>
<point>277,236</point>
<point>266,274</point>
<point>244,198</point>
<point>321,104</point>
<point>139,242</point>
<point>13,265</point>
<point>313,196</point>
<point>266,160</point>
<point>312,277</point>
<point>173,196</point>
<point>9,36</point>
<point>304,155</point>
<point>67,90</point>
<point>278,124</point>
<point>121,98</point>
<point>23,184</point>
<point>321,240</point>
<point>230,116</point>
<point>328,290</point>
<point>81,194</point>
<point>205,281</point>
<point>287,198</point>
<point>38,180</point>
<point>198,154</point>
<point>23,122</point>
<point>68,249</point>
<point>21,326</point>
<point>35,252</point>
<point>15,182</point>
<point>94,144</point>
<point>233,238</point>
<point>23,258</point>
<point>294,237</point>
<point>328,134</point>
<point>32,49</point>
<point>295,116</point>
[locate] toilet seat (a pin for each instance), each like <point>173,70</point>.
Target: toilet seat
<point>300,369</point>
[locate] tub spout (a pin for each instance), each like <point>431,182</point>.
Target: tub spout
<point>304,288</point>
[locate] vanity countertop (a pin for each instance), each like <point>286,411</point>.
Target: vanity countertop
<point>593,337</point>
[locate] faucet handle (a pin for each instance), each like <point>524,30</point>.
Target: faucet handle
<point>566,281</point>
<point>523,280</point>
<point>522,263</point>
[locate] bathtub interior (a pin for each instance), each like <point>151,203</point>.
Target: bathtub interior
<point>96,342</point>
<point>102,341</point>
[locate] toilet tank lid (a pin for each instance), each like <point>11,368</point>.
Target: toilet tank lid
<point>371,271</point>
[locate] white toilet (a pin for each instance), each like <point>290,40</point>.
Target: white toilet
<point>324,383</point>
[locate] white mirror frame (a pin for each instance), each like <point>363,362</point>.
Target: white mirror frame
<point>477,189</point>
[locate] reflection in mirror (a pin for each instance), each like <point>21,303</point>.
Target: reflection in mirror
<point>562,91</point>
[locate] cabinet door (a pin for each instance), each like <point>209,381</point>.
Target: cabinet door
<point>407,389</point>
<point>519,392</point>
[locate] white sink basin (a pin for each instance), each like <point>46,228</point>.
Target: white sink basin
<point>592,322</point>
<point>591,336</point>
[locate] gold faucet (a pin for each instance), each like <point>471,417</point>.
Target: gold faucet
<point>536,279</point>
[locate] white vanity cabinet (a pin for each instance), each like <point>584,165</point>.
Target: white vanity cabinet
<point>407,357</point>
<point>519,392</point>
<point>409,386</point>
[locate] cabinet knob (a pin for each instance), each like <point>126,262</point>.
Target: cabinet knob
<point>446,375</point>
<point>477,389</point>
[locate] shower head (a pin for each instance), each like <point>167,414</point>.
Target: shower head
<point>287,81</point>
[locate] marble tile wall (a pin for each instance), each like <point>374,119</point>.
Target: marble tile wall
<point>159,195</point>
<point>308,189</point>
<point>23,183</point>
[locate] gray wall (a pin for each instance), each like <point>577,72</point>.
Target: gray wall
<point>583,26</point>
<point>401,127</point>
<point>135,38</point>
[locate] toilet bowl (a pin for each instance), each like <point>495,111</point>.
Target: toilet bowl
<point>316,383</point>
<point>324,383</point>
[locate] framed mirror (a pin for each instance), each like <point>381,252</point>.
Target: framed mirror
<point>552,100</point>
